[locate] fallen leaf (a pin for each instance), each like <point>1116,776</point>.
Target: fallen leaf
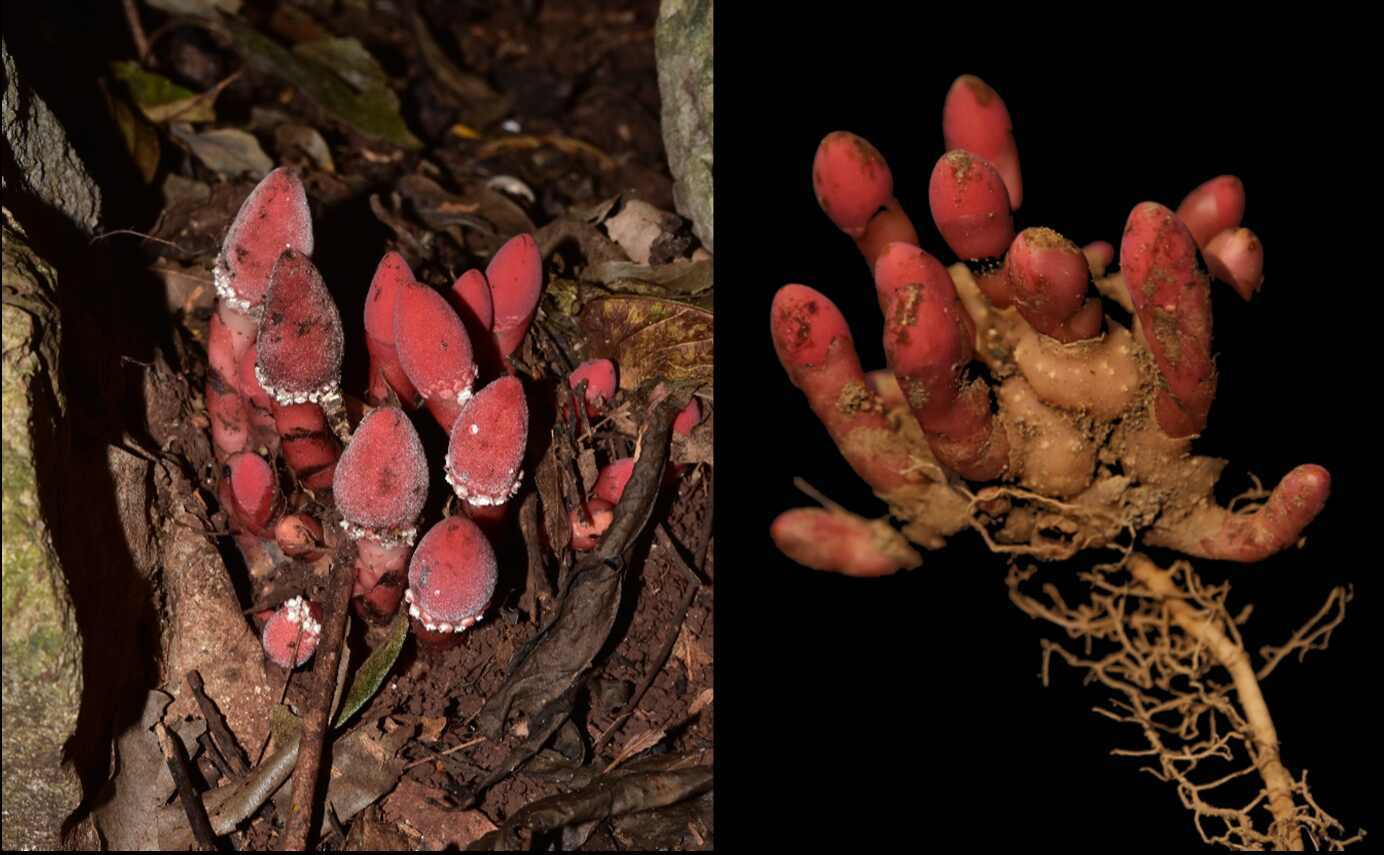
<point>225,150</point>
<point>162,100</point>
<point>309,140</point>
<point>650,338</point>
<point>338,74</point>
<point>681,277</point>
<point>141,140</point>
<point>637,226</point>
<point>423,811</point>
<point>638,745</point>
<point>196,8</point>
<point>374,670</point>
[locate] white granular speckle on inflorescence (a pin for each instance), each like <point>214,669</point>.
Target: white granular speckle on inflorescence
<point>327,394</point>
<point>386,537</point>
<point>296,611</point>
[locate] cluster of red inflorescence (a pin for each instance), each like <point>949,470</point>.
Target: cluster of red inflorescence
<point>1086,435</point>
<point>273,393</point>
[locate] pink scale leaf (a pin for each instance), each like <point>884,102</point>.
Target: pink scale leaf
<point>254,488</point>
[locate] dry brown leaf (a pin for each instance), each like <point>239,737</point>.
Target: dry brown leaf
<point>649,338</point>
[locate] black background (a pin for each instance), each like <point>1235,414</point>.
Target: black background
<point>909,708</point>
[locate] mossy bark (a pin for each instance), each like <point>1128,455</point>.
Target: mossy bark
<point>683,42</point>
<point>42,652</point>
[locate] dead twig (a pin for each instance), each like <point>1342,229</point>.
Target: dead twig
<point>176,757</point>
<point>221,735</point>
<point>137,33</point>
<point>315,721</point>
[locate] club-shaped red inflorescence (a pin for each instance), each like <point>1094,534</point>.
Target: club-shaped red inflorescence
<point>601,384</point>
<point>291,634</point>
<point>515,275</point>
<point>586,533</point>
<point>473,301</point>
<point>971,209</point>
<point>274,217</point>
<point>300,343</point>
<point>814,345</point>
<point>1049,278</point>
<point>391,275</point>
<point>487,444</point>
<point>381,480</point>
<point>251,487</point>
<point>1213,207</point>
<point>451,577</point>
<point>611,481</point>
<point>975,118</point>
<point>855,189</point>
<point>929,340</point>
<point>434,350</point>
<point>1212,213</point>
<point>1172,299</point>
<point>852,181</point>
<point>687,418</point>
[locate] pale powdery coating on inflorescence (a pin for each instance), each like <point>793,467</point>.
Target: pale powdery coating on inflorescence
<point>451,577</point>
<point>295,622</point>
<point>433,347</point>
<point>300,340</point>
<point>487,444</point>
<point>381,480</point>
<point>274,217</point>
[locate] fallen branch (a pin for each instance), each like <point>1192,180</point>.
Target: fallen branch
<point>318,713</point>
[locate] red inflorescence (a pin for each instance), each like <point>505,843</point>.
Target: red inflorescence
<point>274,217</point>
<point>515,275</point>
<point>600,378</point>
<point>585,535</point>
<point>687,418</point>
<point>1172,299</point>
<point>434,350</point>
<point>294,628</point>
<point>487,444</point>
<point>474,302</point>
<point>974,118</point>
<point>452,576</point>
<point>970,206</point>
<point>852,181</point>
<point>382,478</point>
<point>391,275</point>
<point>610,483</point>
<point>254,490</point>
<point>300,340</point>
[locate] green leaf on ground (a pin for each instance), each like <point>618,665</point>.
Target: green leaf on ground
<point>375,669</point>
<point>162,100</point>
<point>339,75</point>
